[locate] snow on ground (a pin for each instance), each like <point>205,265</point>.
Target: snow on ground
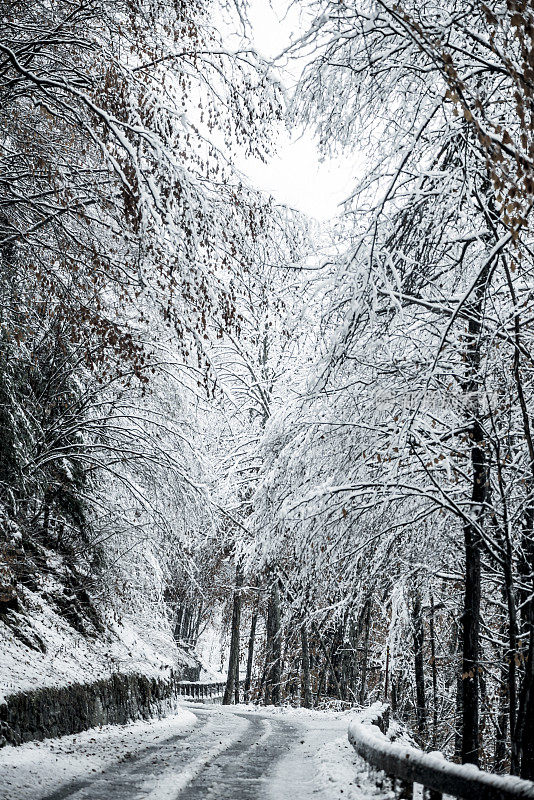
<point>346,774</point>
<point>317,760</point>
<point>38,768</point>
<point>70,657</point>
<point>322,763</point>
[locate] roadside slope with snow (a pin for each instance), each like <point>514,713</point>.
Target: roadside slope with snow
<point>40,649</point>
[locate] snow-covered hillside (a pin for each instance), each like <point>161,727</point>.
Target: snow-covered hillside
<point>40,648</point>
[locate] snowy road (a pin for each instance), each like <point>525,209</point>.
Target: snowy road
<point>224,753</point>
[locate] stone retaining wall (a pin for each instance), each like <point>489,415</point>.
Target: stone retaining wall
<point>57,711</point>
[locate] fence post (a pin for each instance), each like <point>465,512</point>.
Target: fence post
<point>404,790</point>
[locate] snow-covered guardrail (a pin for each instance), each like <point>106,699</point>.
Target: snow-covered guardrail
<point>407,765</point>
<point>197,690</point>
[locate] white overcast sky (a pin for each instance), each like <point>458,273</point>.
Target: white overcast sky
<point>296,176</point>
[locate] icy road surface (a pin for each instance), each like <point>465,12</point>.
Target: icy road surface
<point>213,752</point>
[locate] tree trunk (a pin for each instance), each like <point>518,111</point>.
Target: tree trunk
<point>502,719</point>
<point>321,682</point>
<point>338,659</point>
<point>190,625</point>
<point>365,655</point>
<point>178,626</point>
<point>236,687</point>
<point>459,700</point>
<point>386,678</point>
<point>197,624</point>
<point>527,715</point>
<point>472,540</point>
<point>353,656</point>
<point>274,648</point>
<point>329,671</point>
<point>524,735</point>
<point>472,596</point>
<point>250,656</point>
<point>471,615</point>
<point>276,673</point>
<point>434,675</point>
<point>508,690</point>
<point>233,661</point>
<point>418,643</point>
<point>306,692</point>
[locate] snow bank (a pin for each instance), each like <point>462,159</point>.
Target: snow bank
<point>429,769</point>
<point>322,764</point>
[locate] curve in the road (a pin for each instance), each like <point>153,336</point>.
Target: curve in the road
<point>242,770</point>
<point>227,756</point>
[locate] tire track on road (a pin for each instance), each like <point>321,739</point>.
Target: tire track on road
<point>227,756</point>
<point>243,770</point>
<point>135,775</point>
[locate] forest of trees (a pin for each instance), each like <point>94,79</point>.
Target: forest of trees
<point>210,402</point>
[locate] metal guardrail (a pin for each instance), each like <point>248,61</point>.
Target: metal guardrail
<point>406,766</point>
<point>196,690</point>
<point>199,691</point>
